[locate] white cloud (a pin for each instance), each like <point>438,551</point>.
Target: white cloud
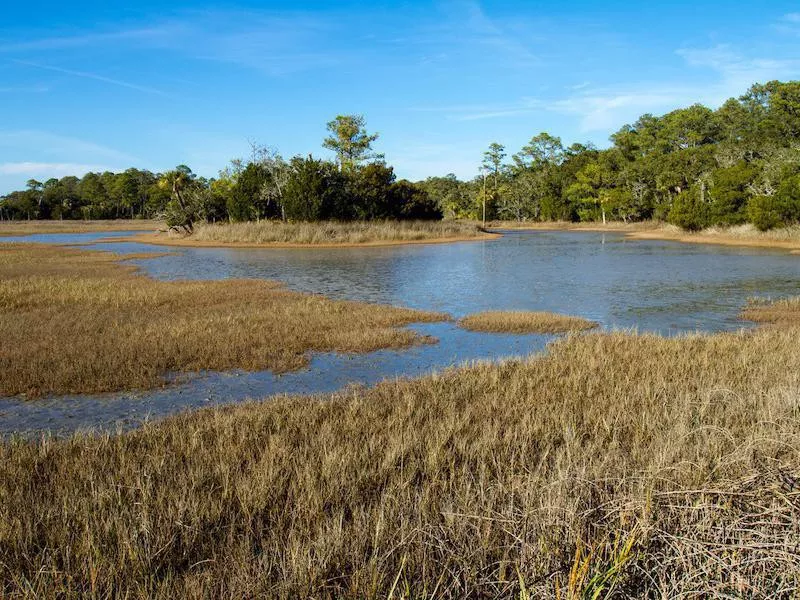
<point>59,147</point>
<point>275,42</point>
<point>142,35</point>
<point>94,76</point>
<point>736,72</point>
<point>607,108</point>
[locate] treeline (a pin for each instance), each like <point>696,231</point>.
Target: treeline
<point>357,186</point>
<point>693,167</point>
<point>132,194</point>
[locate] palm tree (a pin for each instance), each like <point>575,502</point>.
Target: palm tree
<point>178,181</point>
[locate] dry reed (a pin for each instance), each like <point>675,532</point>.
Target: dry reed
<point>78,321</point>
<point>524,321</point>
<point>13,228</point>
<point>786,238</point>
<point>785,311</point>
<point>332,232</point>
<point>617,465</point>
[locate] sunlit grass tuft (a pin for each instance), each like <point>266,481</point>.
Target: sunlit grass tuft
<point>616,465</point>
<point>79,321</point>
<point>332,232</point>
<point>784,311</point>
<point>10,228</point>
<point>523,321</point>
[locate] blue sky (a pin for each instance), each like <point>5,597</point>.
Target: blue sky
<point>93,86</point>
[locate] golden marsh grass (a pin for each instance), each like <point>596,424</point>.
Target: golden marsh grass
<point>325,233</point>
<point>786,238</point>
<point>12,228</point>
<point>79,321</point>
<point>785,311</point>
<point>616,465</point>
<point>524,321</point>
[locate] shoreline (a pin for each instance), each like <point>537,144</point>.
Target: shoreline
<point>159,239</point>
<point>633,231</point>
<point>12,229</point>
<point>648,231</point>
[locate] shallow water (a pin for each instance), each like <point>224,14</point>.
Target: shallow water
<point>659,286</point>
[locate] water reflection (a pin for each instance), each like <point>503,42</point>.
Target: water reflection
<point>659,286</point>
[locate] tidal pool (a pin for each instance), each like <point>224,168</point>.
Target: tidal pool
<point>659,286</point>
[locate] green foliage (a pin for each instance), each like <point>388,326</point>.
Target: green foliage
<point>451,196</point>
<point>315,191</point>
<point>249,198</point>
<point>690,211</point>
<point>350,141</point>
<point>729,194</point>
<point>767,212</point>
<point>410,201</point>
<point>693,167</point>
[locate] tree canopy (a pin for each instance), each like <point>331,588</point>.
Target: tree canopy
<point>694,167</point>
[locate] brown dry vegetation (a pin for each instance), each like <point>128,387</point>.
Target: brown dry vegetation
<point>78,321</point>
<point>524,321</point>
<point>616,465</point>
<point>785,311</point>
<point>324,233</point>
<point>8,228</point>
<point>787,238</point>
<point>573,226</point>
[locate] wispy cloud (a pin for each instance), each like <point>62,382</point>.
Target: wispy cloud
<point>148,35</point>
<point>93,76</point>
<point>274,42</point>
<point>46,169</point>
<point>57,147</point>
<point>466,32</point>
<point>789,24</point>
<point>604,108</point>
<point>737,72</point>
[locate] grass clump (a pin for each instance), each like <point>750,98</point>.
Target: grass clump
<point>785,311</point>
<point>333,232</point>
<point>13,228</point>
<point>79,321</point>
<point>616,465</point>
<point>524,321</point>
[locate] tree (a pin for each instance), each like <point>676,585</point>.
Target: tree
<point>451,195</point>
<point>410,201</point>
<point>543,150</point>
<point>314,191</point>
<point>279,172</point>
<point>493,161</point>
<point>183,210</point>
<point>350,141</point>
<point>371,191</point>
<point>780,209</point>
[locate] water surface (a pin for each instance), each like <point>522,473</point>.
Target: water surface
<point>659,286</point>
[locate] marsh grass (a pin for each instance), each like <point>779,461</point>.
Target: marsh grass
<point>750,232</point>
<point>572,226</point>
<point>616,465</point>
<point>332,232</point>
<point>784,311</point>
<point>79,321</point>
<point>524,321</point>
<point>787,238</point>
<point>14,228</point>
